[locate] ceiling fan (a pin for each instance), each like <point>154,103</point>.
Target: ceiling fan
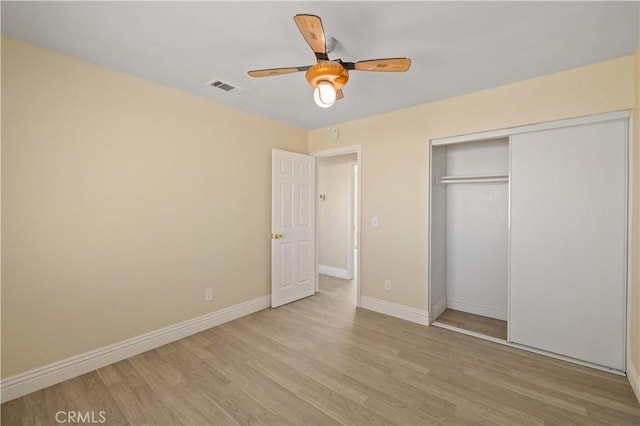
<point>327,76</point>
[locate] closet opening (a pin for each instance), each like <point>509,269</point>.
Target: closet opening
<point>469,236</point>
<point>529,232</point>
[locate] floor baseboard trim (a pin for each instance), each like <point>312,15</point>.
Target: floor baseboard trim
<point>634,378</point>
<point>438,310</point>
<point>395,310</point>
<point>24,383</point>
<point>473,308</point>
<point>334,272</point>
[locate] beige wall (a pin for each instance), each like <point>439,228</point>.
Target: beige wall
<point>122,201</point>
<point>335,180</point>
<point>634,314</point>
<point>395,160</point>
<point>117,211</point>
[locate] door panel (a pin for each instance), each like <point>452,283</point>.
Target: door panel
<point>568,241</point>
<point>305,209</point>
<point>286,265</point>
<point>286,208</point>
<point>292,227</point>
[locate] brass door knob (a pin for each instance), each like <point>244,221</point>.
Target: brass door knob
<point>276,236</point>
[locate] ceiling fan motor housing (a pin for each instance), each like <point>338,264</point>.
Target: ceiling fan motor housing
<point>331,71</point>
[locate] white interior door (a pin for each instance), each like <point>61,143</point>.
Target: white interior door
<point>293,243</point>
<point>568,241</point>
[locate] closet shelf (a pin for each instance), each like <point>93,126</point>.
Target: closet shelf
<point>474,179</point>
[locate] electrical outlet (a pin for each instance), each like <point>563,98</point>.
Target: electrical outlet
<point>208,294</point>
<point>387,285</point>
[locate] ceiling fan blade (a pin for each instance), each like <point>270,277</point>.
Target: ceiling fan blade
<point>339,94</point>
<point>384,65</point>
<point>276,71</point>
<point>310,27</point>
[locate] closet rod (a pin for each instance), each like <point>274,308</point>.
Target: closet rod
<point>473,179</point>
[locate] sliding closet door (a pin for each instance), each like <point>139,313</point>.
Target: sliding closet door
<point>568,241</point>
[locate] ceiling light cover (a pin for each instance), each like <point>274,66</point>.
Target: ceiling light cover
<point>324,94</point>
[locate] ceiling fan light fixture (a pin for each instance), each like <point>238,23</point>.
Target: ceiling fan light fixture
<point>324,94</point>
<point>328,77</point>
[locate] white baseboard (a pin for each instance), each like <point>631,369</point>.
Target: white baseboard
<point>334,272</point>
<point>473,308</point>
<point>438,309</point>
<point>393,309</point>
<point>634,378</point>
<point>22,384</point>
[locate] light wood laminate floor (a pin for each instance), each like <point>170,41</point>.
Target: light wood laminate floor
<point>321,361</point>
<point>476,323</point>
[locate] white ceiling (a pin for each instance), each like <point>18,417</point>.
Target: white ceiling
<point>455,47</point>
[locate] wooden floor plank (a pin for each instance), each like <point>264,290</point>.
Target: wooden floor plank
<point>476,323</point>
<point>323,361</point>
<point>14,413</point>
<point>89,395</point>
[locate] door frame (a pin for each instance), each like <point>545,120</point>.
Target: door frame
<point>351,149</point>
